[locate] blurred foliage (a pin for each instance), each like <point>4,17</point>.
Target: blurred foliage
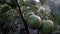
<point>42,1</point>
<point>10,18</point>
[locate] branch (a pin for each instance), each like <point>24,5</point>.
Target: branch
<point>25,23</point>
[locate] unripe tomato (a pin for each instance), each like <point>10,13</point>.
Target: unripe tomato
<point>47,26</point>
<point>34,21</point>
<point>26,15</point>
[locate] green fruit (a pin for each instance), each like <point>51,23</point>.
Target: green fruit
<point>47,26</point>
<point>27,14</point>
<point>42,11</point>
<point>34,21</point>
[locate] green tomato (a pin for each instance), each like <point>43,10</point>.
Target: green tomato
<point>47,26</point>
<point>34,22</point>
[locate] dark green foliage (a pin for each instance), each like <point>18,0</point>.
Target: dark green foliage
<point>9,18</point>
<point>11,21</point>
<point>12,3</point>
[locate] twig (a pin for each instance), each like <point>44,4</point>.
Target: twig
<point>25,23</point>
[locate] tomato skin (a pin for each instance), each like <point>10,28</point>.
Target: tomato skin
<point>27,14</point>
<point>47,26</point>
<point>34,22</point>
